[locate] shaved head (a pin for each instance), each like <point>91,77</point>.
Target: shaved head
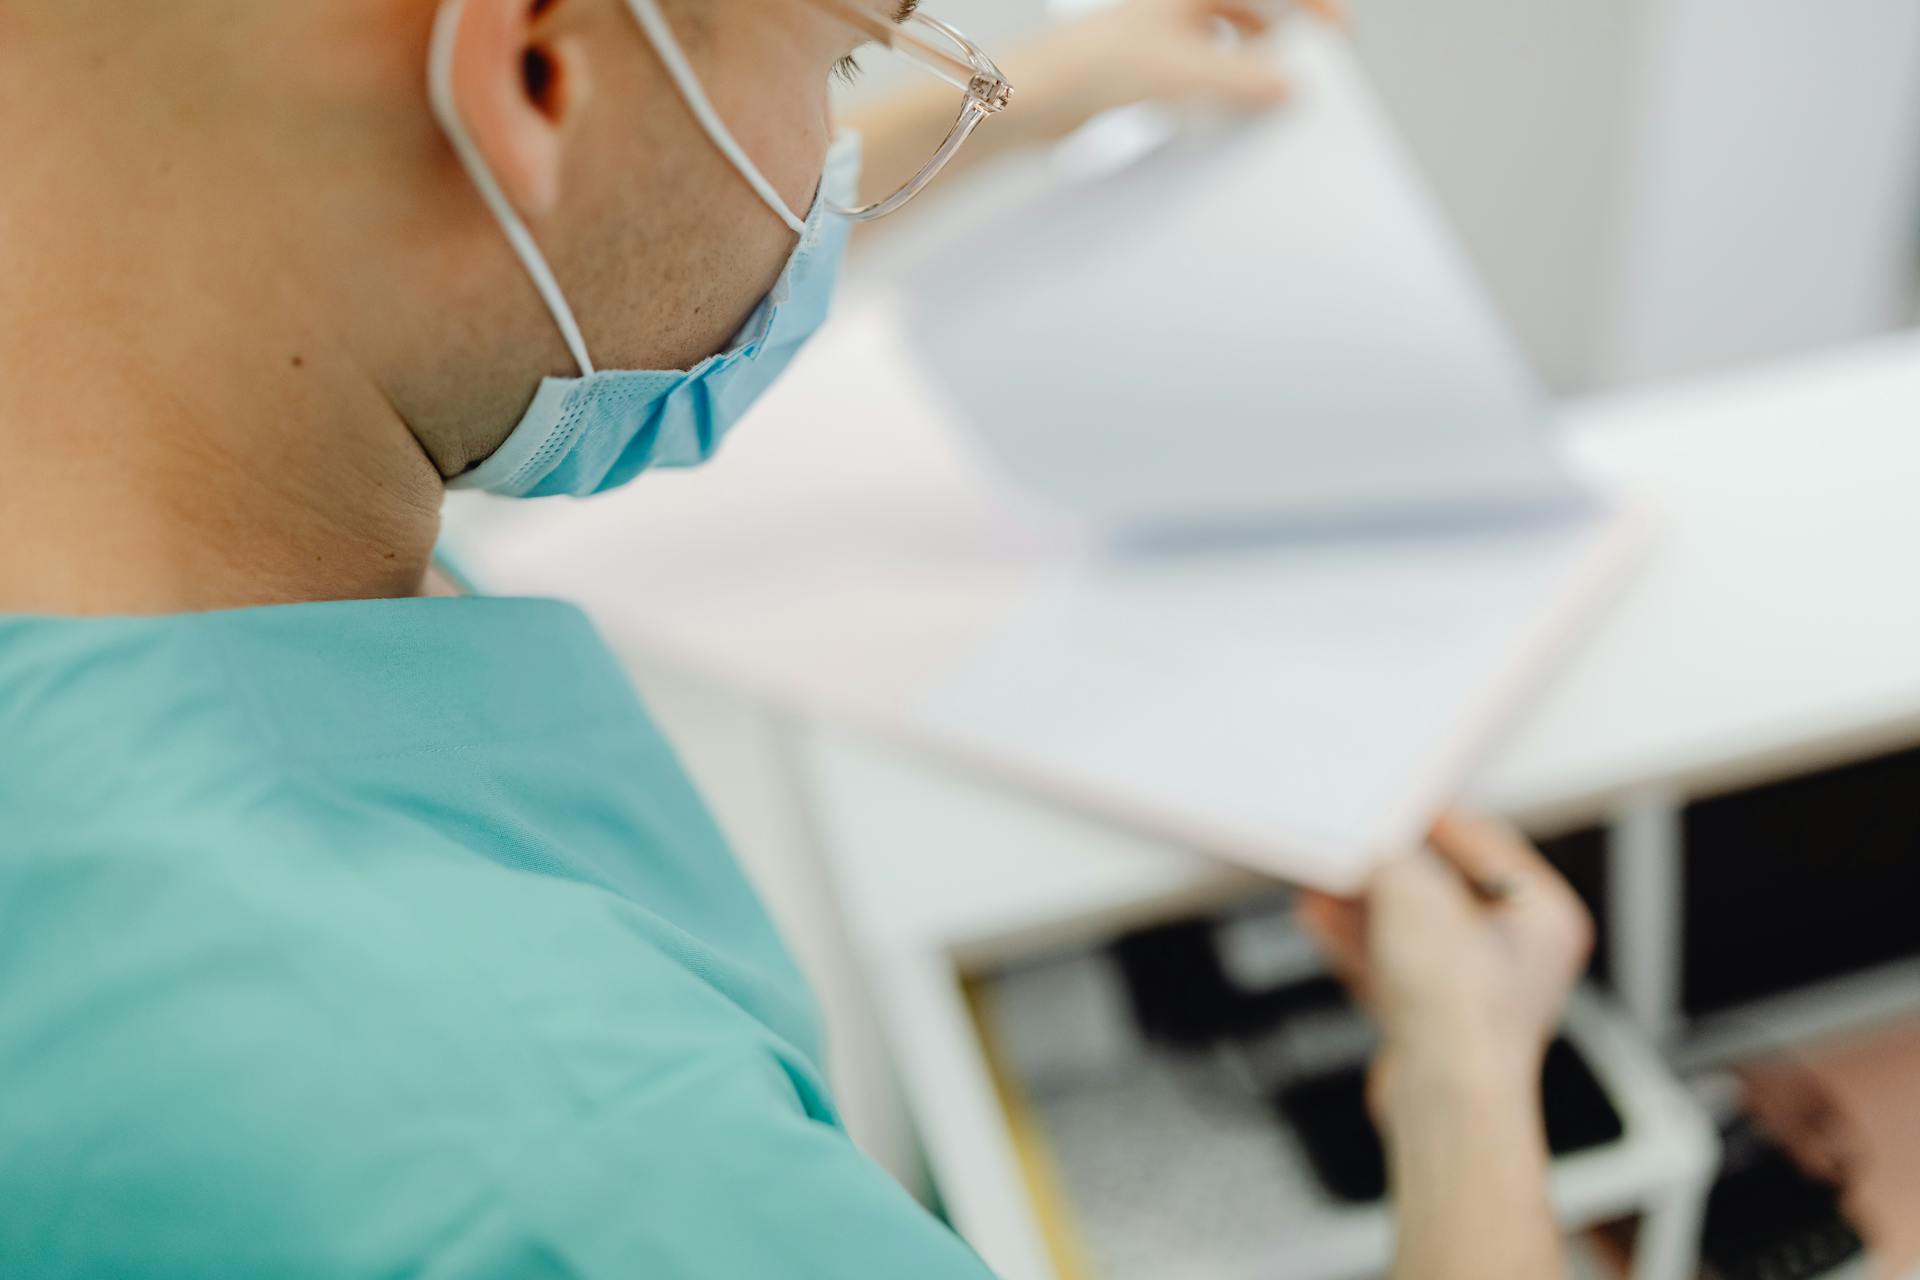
<point>242,220</point>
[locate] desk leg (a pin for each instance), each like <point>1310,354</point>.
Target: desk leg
<point>1668,1246</point>
<point>1644,910</point>
<point>866,1085</point>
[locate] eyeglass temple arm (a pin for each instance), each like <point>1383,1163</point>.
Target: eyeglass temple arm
<point>976,73</point>
<point>970,117</point>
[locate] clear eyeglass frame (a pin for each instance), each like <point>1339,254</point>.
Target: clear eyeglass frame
<point>944,52</point>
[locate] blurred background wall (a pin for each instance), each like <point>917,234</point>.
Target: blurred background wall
<point>1658,186</point>
<point>1650,187</point>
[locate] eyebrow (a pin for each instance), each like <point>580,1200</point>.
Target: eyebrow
<point>907,10</point>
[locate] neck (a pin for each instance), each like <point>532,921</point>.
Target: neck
<point>181,424</point>
<point>156,465</point>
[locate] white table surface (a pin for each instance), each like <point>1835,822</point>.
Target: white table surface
<point>1776,626</point>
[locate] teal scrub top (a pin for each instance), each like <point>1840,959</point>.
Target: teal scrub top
<point>383,939</point>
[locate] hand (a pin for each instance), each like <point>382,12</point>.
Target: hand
<point>1149,50</point>
<point>1459,985</point>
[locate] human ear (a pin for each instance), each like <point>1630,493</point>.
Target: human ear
<point>520,88</point>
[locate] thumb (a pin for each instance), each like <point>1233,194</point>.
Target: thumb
<point>1421,913</point>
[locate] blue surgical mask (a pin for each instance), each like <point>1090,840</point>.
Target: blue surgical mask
<point>595,432</point>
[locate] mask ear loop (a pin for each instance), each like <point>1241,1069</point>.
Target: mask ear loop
<point>440,93</point>
<point>647,14</point>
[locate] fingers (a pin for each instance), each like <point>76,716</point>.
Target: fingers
<point>1248,17</point>
<point>1339,927</point>
<point>1249,79</point>
<point>1245,16</point>
<point>1337,924</point>
<point>1174,50</point>
<point>1253,17</point>
<point>1244,77</point>
<point>1490,853</point>
<point>1419,906</point>
<point>1486,852</point>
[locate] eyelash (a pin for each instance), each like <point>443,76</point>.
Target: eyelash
<point>847,70</point>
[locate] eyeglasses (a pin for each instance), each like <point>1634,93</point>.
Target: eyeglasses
<point>946,53</point>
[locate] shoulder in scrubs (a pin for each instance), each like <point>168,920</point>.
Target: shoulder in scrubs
<point>390,938</point>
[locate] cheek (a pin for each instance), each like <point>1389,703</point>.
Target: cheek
<point>784,125</point>
<point>746,261</point>
<point>746,245</point>
<point>684,248</point>
<point>694,276</point>
<point>793,164</point>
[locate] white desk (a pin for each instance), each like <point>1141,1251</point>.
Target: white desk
<point>1779,626</point>
<point>1776,630</point>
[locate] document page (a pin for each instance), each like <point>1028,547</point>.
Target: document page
<point>1304,707</point>
<point>1267,321</point>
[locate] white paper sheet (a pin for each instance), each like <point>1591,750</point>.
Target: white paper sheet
<point>1264,322</point>
<point>1303,706</point>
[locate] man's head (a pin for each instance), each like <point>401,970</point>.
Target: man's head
<point>267,181</point>
<point>664,248</point>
